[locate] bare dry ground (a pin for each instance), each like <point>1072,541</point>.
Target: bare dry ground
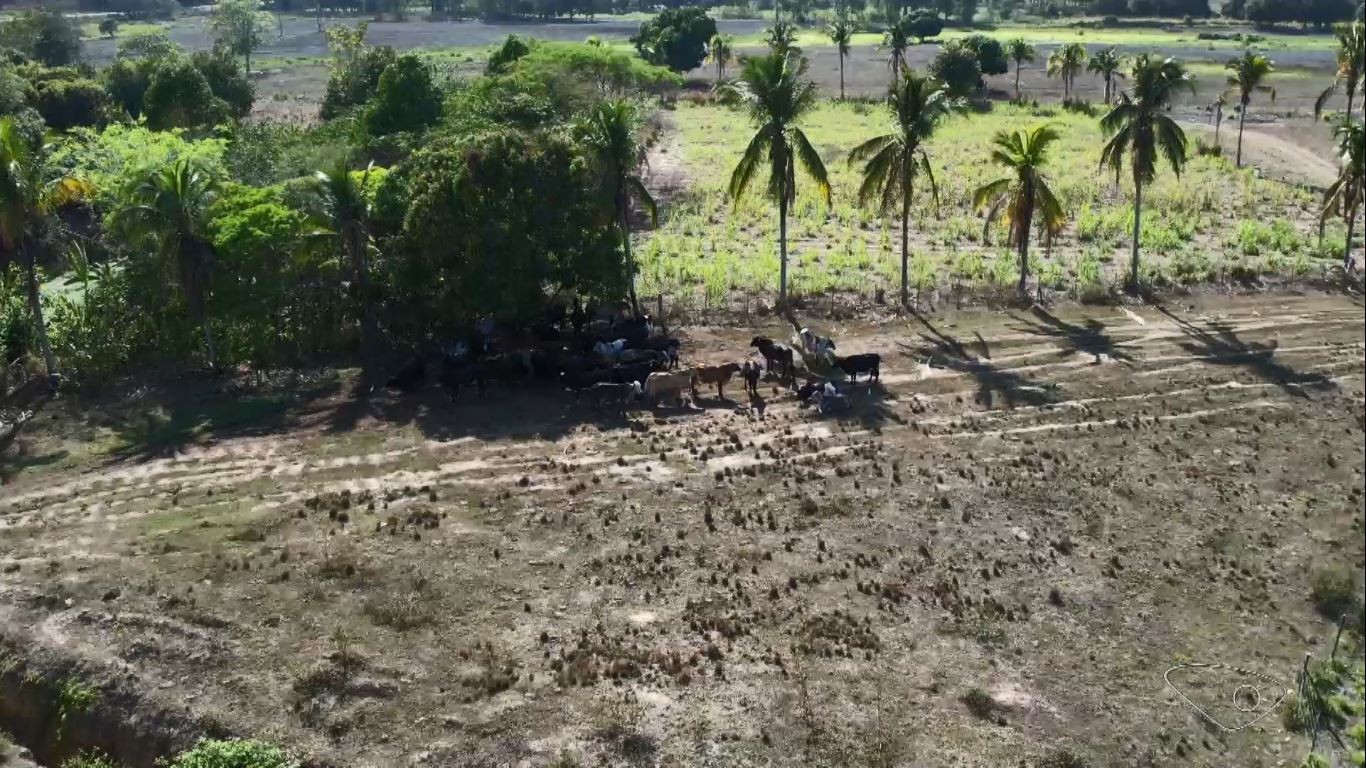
<point>1051,507</point>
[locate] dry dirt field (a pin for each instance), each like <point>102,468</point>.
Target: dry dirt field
<point>1051,507</point>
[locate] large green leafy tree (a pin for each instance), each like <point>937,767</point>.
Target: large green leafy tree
<point>677,38</point>
<point>1351,72</point>
<point>777,93</point>
<point>1141,132</point>
<point>841,32</point>
<point>893,162</point>
<point>179,96</point>
<point>1247,75</point>
<point>167,208</point>
<point>1066,63</point>
<point>529,218</point>
<point>1346,195</point>
<point>1021,197</point>
<point>240,27</point>
<point>612,136</point>
<point>45,36</point>
<point>991,55</point>
<point>345,197</point>
<point>66,99</point>
<point>30,194</point>
<point>957,67</point>
<point>1108,64</point>
<point>923,24</point>
<point>356,68</point>
<point>407,99</point>
<point>1019,52</point>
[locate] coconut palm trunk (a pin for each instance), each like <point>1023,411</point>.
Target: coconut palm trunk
<point>35,307</point>
<point>1023,245</point>
<point>1018,64</point>
<point>1138,212</point>
<point>1347,250</point>
<point>623,221</point>
<point>1242,118</point>
<point>841,76</point>
<point>782,243</point>
<point>905,245</point>
<point>360,261</point>
<point>192,276</point>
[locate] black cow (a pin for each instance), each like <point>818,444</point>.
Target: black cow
<point>776,356</point>
<point>410,377</point>
<point>456,373</point>
<point>853,365</point>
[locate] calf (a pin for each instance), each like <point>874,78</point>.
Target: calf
<point>815,345</point>
<point>751,373</point>
<point>853,365</point>
<point>409,377</point>
<point>456,374</point>
<point>672,384</point>
<point>714,374</point>
<point>606,393</point>
<point>777,356</point>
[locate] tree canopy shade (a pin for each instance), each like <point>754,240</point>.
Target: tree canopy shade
<point>240,27</point>
<point>776,93</point>
<point>1024,195</point>
<point>30,194</point>
<point>1247,75</point>
<point>894,161</point>
<point>48,37</point>
<point>531,222</point>
<point>677,38</point>
<point>612,136</point>
<point>1347,194</point>
<point>1141,131</point>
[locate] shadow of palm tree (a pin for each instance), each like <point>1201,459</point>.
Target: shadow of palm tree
<point>1089,338</point>
<point>994,384</point>
<point>1217,342</point>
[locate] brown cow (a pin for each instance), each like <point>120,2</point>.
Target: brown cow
<point>714,374</point>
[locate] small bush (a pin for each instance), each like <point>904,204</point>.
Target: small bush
<point>402,611</point>
<point>234,753</point>
<point>979,703</point>
<point>1062,758</point>
<point>89,760</point>
<point>1335,592</point>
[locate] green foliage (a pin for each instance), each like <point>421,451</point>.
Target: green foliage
<point>127,81</point>
<point>239,26</point>
<point>512,49</point>
<point>1335,592</point>
<point>108,159</point>
<point>89,760</point>
<point>109,27</point>
<point>227,81</point>
<point>530,222</point>
<point>991,55</point>
<point>67,100</point>
<point>956,66</point>
<point>179,96</point>
<point>149,45</point>
<point>355,69</point>
<point>407,99</point>
<point>73,698</point>
<point>233,753</point>
<point>923,25</point>
<point>677,38</point>
<point>47,37</point>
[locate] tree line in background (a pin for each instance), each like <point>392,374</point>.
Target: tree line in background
<point>167,228</point>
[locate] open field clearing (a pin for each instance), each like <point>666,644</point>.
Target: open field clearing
<point>995,555</point>
<point>1212,223</point>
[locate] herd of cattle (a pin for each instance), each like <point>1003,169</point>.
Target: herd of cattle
<point>615,363</point>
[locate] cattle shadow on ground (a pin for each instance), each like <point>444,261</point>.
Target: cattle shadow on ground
<point>1217,343</point>
<point>1090,337</point>
<point>994,384</point>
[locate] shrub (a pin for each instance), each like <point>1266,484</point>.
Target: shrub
<point>979,702</point>
<point>89,760</point>
<point>70,102</point>
<point>991,55</point>
<point>234,753</point>
<point>676,38</point>
<point>957,68</point>
<point>45,36</point>
<point>924,24</point>
<point>512,49</point>
<point>109,27</point>
<point>1334,592</point>
<point>407,99</point>
<point>179,96</point>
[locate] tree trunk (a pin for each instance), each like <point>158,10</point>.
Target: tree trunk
<point>369,326</point>
<point>1347,250</point>
<point>1018,64</point>
<point>841,76</point>
<point>1023,245</point>
<point>1242,116</point>
<point>320,15</point>
<point>247,55</point>
<point>782,245</point>
<point>624,223</point>
<point>35,308</point>
<point>905,250</point>
<point>1138,211</point>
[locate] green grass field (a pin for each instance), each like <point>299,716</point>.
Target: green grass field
<point>1213,222</point>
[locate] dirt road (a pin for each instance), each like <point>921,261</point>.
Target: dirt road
<point>1050,508</point>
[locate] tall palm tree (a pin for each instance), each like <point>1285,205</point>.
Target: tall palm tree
<point>168,207</point>
<point>344,194</point>
<point>720,51</point>
<point>1351,74</point>
<point>1217,115</point>
<point>841,31</point>
<point>776,92</point>
<point>897,39</point>
<point>611,133</point>
<point>1024,194</point>
<point>1347,193</point>
<point>30,195</point>
<point>1141,131</point>
<point>1247,75</point>
<point>1019,52</point>
<point>1066,63</point>
<point>893,162</point>
<point>1107,63</point>
<point>781,38</point>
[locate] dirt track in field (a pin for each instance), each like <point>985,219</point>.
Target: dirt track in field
<point>1054,507</point>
